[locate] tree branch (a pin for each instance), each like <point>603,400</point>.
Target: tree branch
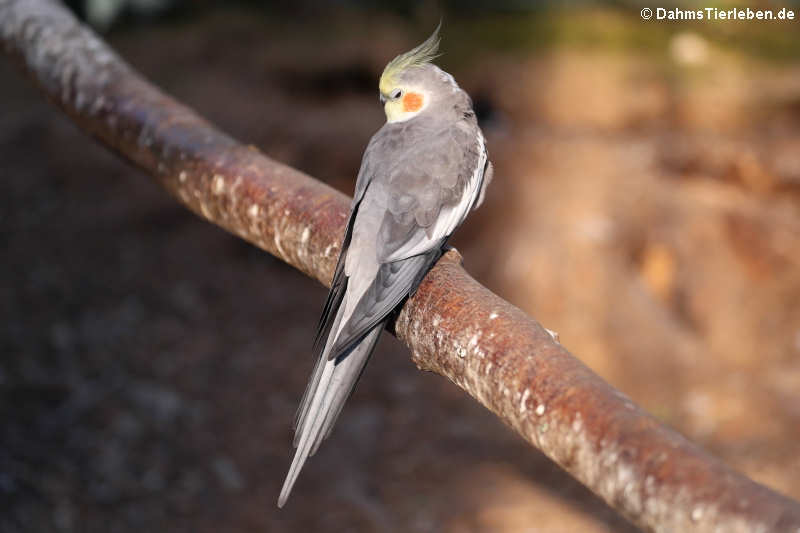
<point>453,325</point>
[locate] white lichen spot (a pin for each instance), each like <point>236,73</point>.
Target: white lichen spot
<point>277,240</point>
<point>98,104</point>
<point>182,176</point>
<point>554,335</point>
<point>523,404</point>
<point>697,513</point>
<point>744,503</point>
<point>254,211</point>
<point>628,491</point>
<point>306,234</point>
<point>540,409</point>
<point>493,315</point>
<point>488,368</point>
<point>461,351</point>
<point>474,340</point>
<point>436,320</point>
<point>80,100</point>
<point>286,212</point>
<point>328,249</point>
<point>218,184</point>
<point>577,424</point>
<point>204,209</point>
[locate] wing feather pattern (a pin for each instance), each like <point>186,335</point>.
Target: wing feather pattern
<point>394,282</point>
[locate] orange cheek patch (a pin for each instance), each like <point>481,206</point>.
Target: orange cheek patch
<point>412,102</point>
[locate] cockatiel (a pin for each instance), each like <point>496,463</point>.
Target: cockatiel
<point>420,176</point>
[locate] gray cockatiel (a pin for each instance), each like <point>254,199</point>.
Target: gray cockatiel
<point>421,174</point>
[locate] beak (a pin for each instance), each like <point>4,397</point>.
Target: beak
<point>382,99</point>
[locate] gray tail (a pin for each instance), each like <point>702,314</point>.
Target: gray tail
<point>331,384</point>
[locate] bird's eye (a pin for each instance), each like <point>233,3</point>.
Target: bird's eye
<point>397,94</point>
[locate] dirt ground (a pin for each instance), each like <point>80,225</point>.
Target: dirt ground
<point>646,206</point>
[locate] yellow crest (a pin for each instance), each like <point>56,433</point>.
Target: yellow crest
<point>421,55</point>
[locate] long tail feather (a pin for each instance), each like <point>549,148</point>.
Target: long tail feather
<point>333,382</point>
<point>316,376</point>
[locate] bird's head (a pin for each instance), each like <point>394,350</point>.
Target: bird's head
<point>410,83</point>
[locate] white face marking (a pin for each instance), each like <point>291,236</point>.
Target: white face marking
<point>402,116</point>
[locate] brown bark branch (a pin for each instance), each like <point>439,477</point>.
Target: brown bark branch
<point>453,326</point>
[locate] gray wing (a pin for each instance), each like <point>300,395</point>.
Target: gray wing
<point>427,198</point>
<point>394,282</point>
<point>339,283</point>
<point>424,196</point>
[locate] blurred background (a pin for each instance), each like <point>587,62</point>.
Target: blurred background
<point>646,205</point>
